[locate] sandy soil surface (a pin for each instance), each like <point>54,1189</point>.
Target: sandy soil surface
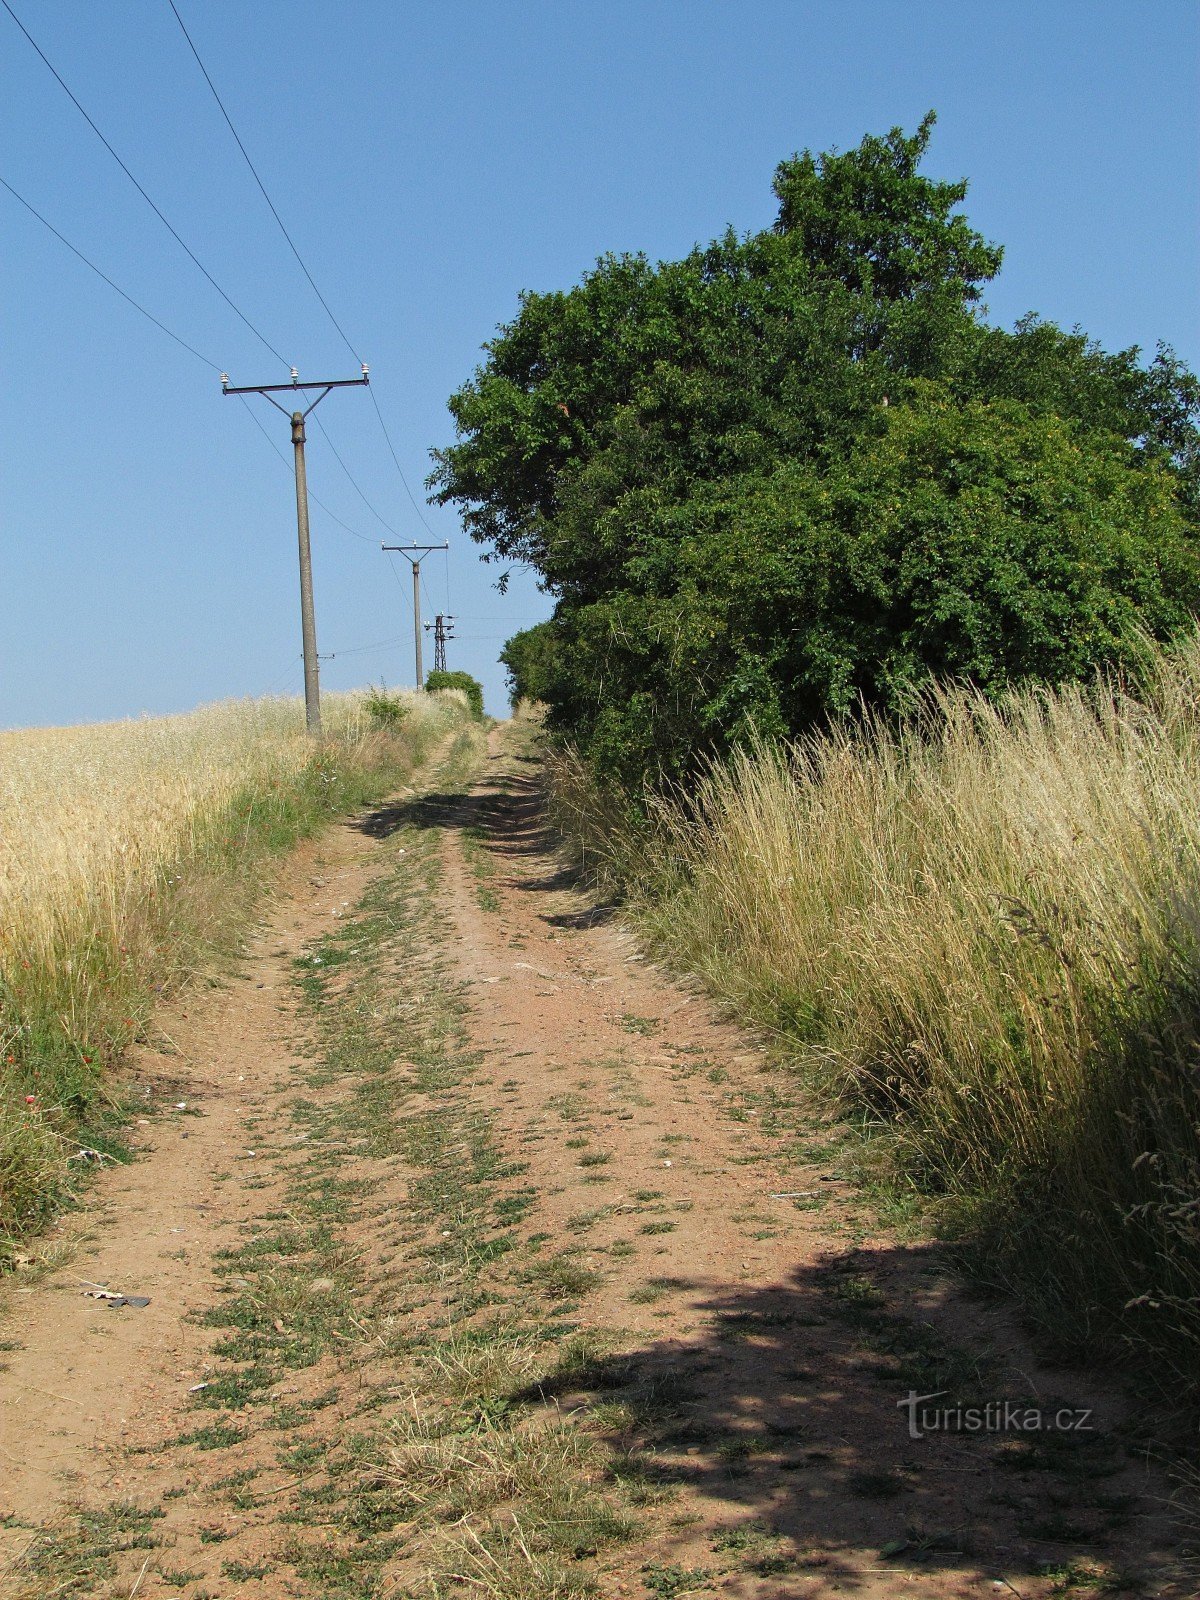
<point>661,1185</point>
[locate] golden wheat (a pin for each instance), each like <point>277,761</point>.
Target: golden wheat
<point>129,855</point>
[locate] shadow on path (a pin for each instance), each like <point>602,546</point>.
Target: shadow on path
<point>785,1402</point>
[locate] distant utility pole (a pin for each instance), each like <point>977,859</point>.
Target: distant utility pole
<point>308,624</point>
<point>416,553</point>
<point>443,629</point>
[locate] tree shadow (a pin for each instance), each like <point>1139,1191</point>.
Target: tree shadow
<point>787,1406</point>
<point>511,821</point>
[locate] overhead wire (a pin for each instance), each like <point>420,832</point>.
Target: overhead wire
<point>291,470</point>
<point>170,333</point>
<point>137,306</point>
<point>284,677</point>
<point>261,185</point>
<point>354,482</point>
<point>302,263</point>
<point>387,436</point>
<point>364,649</point>
<point>183,343</point>
<point>228,299</point>
<point>400,584</point>
<point>191,349</point>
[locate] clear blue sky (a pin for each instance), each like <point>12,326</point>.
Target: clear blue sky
<point>431,161</point>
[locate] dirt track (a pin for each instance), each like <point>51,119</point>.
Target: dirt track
<point>322,1207</point>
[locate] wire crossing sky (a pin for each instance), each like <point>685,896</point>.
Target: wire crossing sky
<point>388,180</point>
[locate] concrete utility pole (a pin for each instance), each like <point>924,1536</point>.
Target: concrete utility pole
<point>416,553</point>
<point>443,629</point>
<point>308,624</point>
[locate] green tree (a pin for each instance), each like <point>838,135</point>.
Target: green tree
<point>797,468</point>
<point>529,660</point>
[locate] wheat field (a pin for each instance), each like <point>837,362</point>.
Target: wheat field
<point>130,855</point>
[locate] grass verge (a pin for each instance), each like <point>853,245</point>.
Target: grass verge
<point>982,934</point>
<point>132,858</point>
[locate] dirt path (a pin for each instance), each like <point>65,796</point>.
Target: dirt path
<point>482,1259</point>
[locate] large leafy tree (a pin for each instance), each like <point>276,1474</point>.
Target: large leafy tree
<point>796,470</point>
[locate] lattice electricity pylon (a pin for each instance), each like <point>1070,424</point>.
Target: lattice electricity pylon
<point>443,629</point>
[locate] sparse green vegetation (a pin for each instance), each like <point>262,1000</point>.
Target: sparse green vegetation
<point>462,1443</point>
<point>132,857</point>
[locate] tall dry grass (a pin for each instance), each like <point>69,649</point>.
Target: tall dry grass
<point>985,930</point>
<point>130,856</point>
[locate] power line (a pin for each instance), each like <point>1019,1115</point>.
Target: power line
<point>363,649</point>
<point>232,304</point>
<point>284,676</point>
<point>304,268</point>
<point>353,480</point>
<point>149,315</point>
<point>261,185</point>
<point>291,472</point>
<point>399,468</point>
<point>162,327</point>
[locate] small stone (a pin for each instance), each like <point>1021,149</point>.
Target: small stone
<point>322,1286</point>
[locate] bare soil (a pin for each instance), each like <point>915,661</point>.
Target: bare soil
<point>667,1186</point>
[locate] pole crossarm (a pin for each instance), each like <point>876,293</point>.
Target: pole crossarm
<point>280,388</point>
<point>269,390</point>
<point>410,550</point>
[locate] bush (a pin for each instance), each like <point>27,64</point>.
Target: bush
<point>385,710</point>
<point>463,682</point>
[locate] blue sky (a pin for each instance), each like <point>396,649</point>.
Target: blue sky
<point>431,161</point>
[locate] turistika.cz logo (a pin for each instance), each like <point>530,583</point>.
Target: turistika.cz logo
<point>995,1416</point>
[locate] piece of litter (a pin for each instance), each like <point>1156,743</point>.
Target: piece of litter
<point>84,1153</point>
<point>181,1105</point>
<point>666,1163</point>
<point>196,1387</point>
<point>112,1298</point>
<point>793,1194</point>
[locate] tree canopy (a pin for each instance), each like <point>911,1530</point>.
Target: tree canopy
<point>797,471</point>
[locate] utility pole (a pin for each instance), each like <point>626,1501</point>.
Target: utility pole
<point>443,629</point>
<point>308,624</point>
<point>416,553</point>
